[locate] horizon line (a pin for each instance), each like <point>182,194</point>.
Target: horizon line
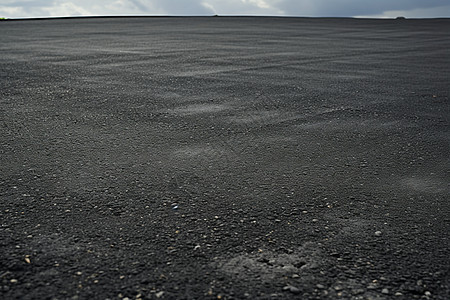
<point>215,15</point>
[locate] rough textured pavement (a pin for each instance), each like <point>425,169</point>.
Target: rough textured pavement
<point>224,158</point>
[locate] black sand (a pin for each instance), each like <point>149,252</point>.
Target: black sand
<point>224,158</point>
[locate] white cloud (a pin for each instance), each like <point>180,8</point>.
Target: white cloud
<point>244,7</point>
<point>11,11</point>
<point>66,9</point>
<point>260,3</point>
<point>122,7</point>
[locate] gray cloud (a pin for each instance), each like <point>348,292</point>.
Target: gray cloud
<point>138,4</point>
<point>178,7</point>
<point>316,8</point>
<point>344,8</point>
<point>429,12</point>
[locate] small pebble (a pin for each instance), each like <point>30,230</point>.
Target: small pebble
<point>320,286</point>
<point>427,293</point>
<point>398,294</point>
<point>385,291</point>
<point>378,233</point>
<point>159,294</point>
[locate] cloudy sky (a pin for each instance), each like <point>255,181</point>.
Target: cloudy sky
<point>311,8</point>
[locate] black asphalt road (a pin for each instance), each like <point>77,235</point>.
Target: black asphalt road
<point>224,158</point>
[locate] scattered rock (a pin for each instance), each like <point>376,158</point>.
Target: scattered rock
<point>289,268</point>
<point>320,286</point>
<point>358,291</point>
<point>159,294</point>
<point>274,295</point>
<point>377,233</point>
<point>291,289</point>
<point>385,291</point>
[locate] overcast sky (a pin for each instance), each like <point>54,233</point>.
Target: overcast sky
<point>311,8</point>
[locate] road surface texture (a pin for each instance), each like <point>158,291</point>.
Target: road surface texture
<point>224,158</point>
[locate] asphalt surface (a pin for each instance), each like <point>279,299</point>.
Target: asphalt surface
<point>224,158</point>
